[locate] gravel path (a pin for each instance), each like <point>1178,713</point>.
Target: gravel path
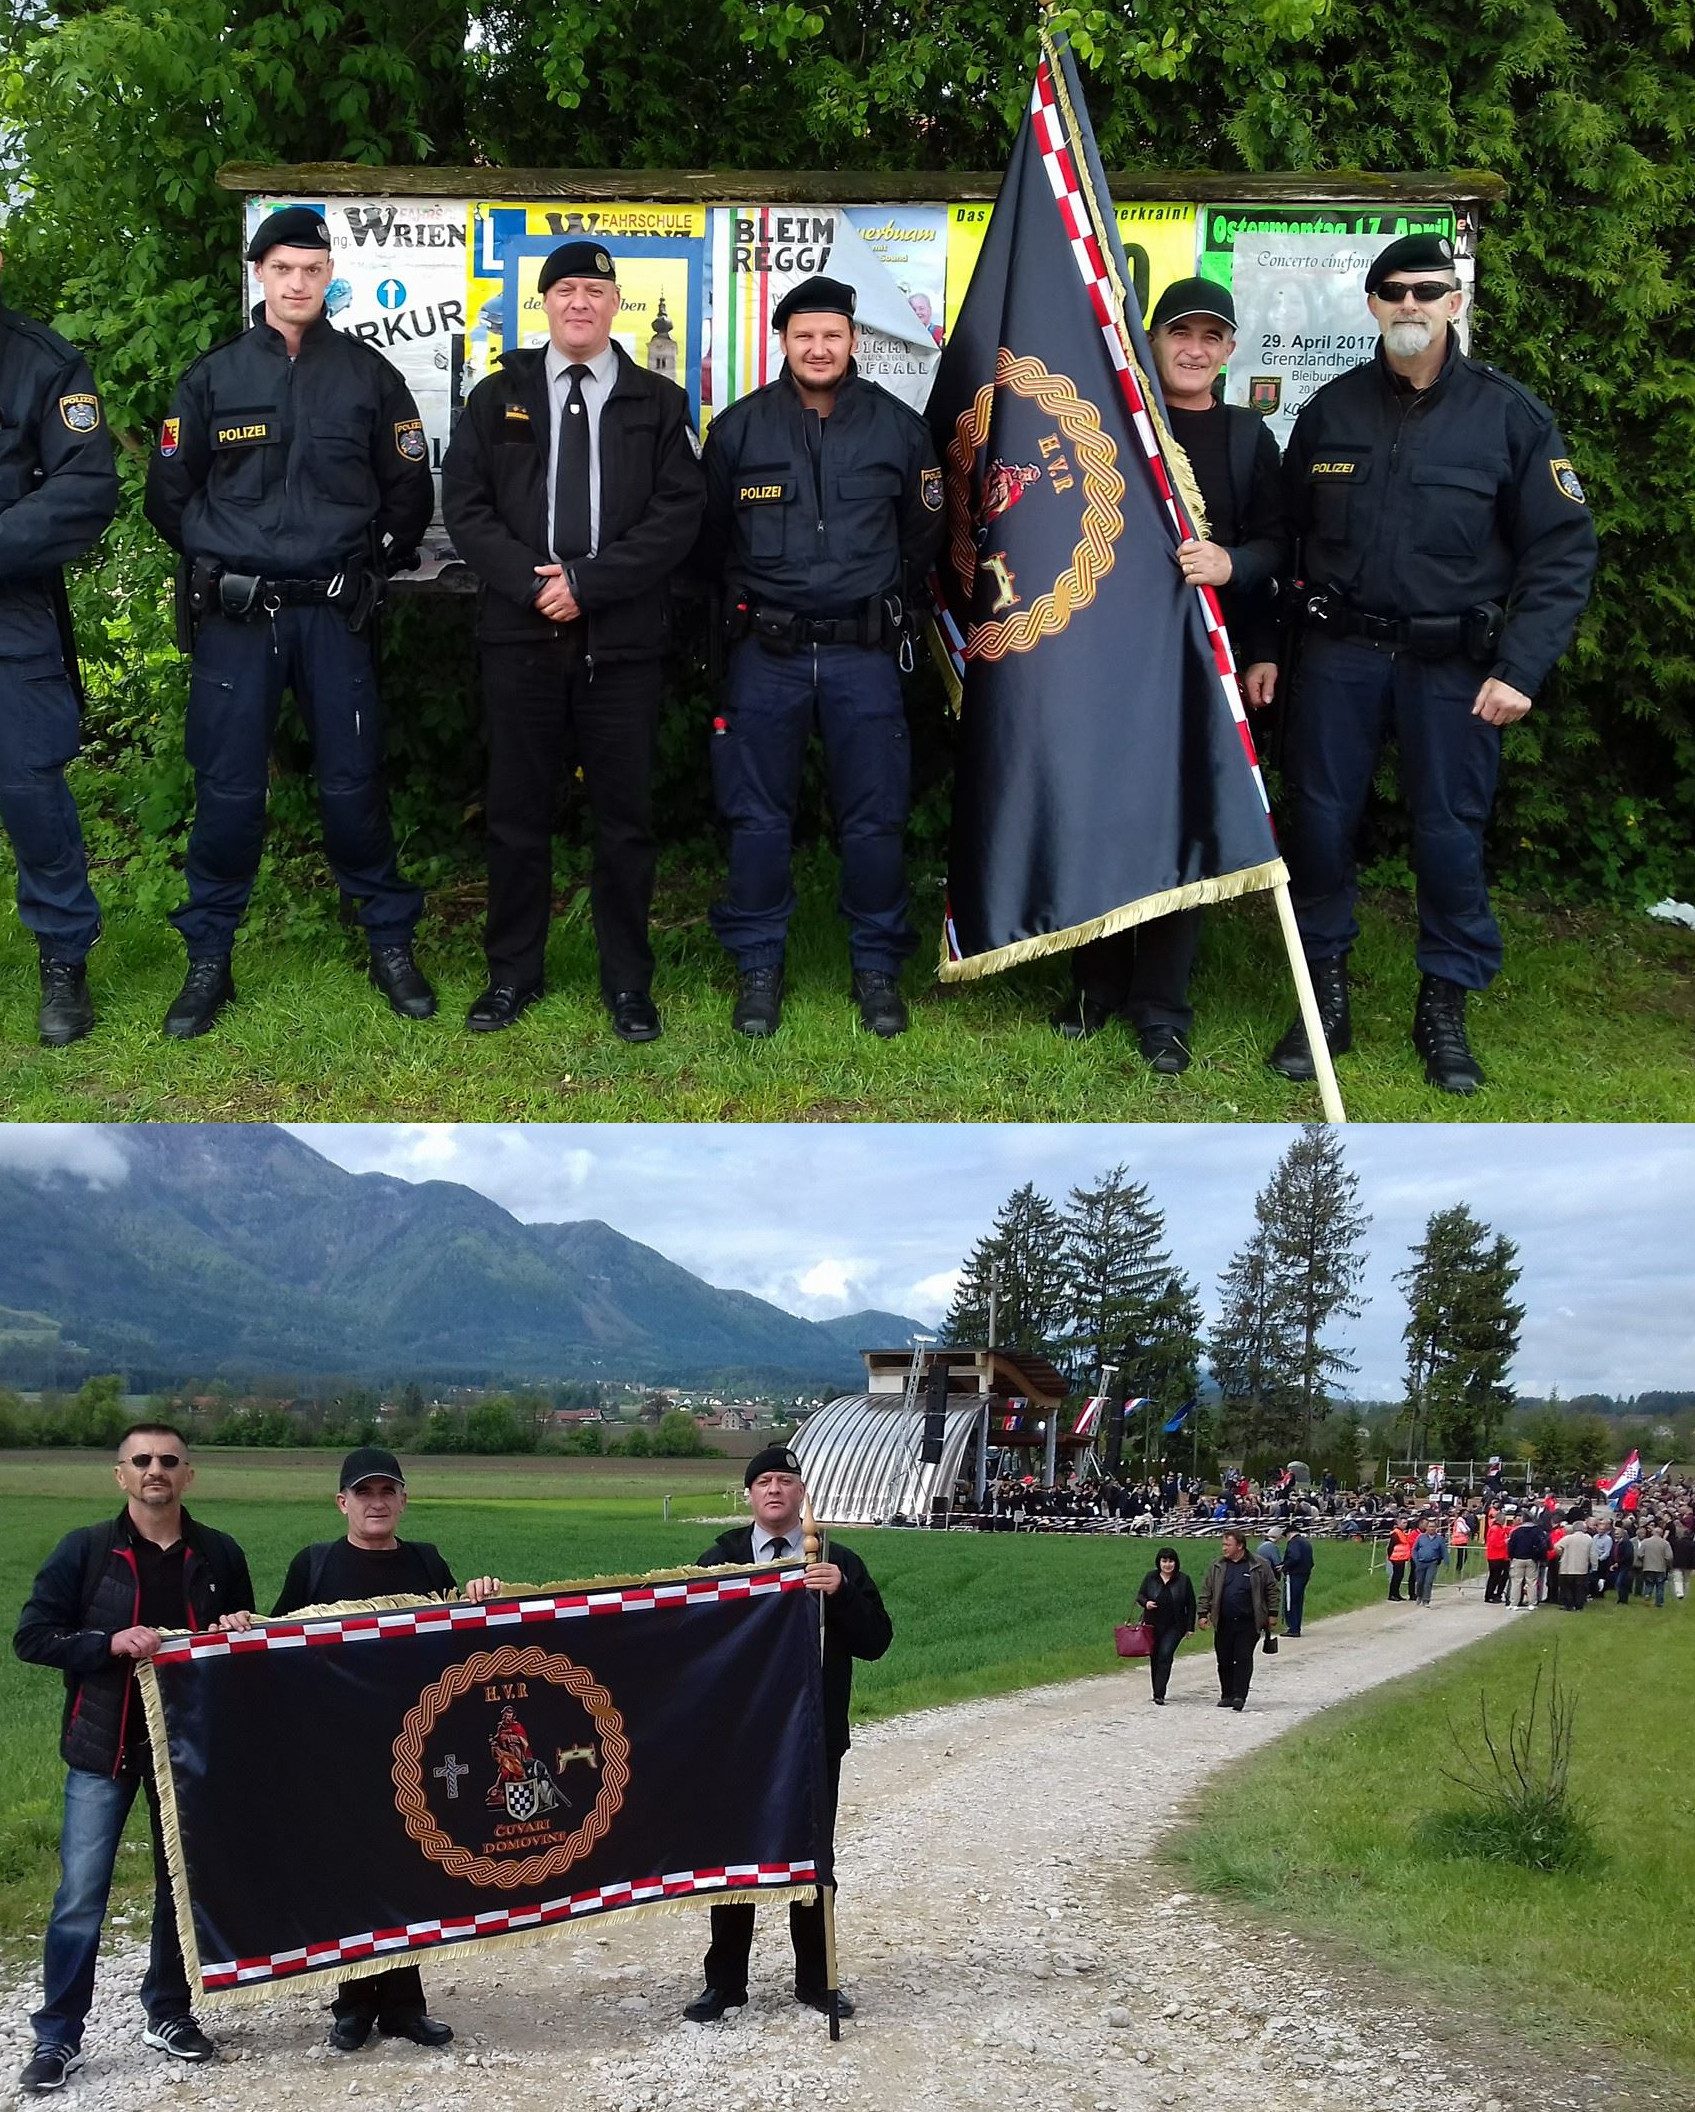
<point>998,1955</point>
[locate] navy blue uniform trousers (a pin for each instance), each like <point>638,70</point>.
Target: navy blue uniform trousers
<point>1348,700</point>
<point>772,701</point>
<point>241,670</point>
<point>38,737</point>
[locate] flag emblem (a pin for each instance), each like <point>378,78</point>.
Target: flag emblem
<point>170,437</point>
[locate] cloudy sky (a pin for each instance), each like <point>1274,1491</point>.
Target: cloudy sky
<point>827,1220</point>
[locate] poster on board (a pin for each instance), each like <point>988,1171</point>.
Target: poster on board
<point>1159,247</point>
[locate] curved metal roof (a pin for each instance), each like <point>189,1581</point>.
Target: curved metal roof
<point>860,1457</point>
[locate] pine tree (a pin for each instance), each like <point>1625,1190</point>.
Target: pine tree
<point>1117,1269</point>
<point>1253,1353</point>
<point>1313,1230</point>
<point>1461,1334</point>
<point>1022,1261</point>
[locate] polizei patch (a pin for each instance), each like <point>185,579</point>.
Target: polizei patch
<point>1567,479</point>
<point>409,438</point>
<point>80,413</point>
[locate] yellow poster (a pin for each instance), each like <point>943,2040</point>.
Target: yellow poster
<point>1159,247</point>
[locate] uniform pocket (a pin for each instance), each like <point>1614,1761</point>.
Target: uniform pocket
<point>244,443</point>
<point>41,706</point>
<point>763,500</point>
<point>338,461</point>
<point>1454,508</point>
<point>1332,480</point>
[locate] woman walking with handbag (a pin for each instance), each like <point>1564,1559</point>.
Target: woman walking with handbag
<point>1167,1600</point>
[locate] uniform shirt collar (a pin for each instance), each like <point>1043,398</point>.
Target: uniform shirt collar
<point>603,365</point>
<point>763,1541</point>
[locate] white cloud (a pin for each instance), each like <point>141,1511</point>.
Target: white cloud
<point>931,1296</point>
<point>77,1148</point>
<point>827,1282</point>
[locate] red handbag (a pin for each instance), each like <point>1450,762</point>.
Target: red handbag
<point>1134,1639</point>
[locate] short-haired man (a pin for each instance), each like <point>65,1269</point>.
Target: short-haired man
<point>1527,1550</point>
<point>856,1624</point>
<point>99,1605</point>
<point>371,1562</point>
<point>1143,973</point>
<point>823,507</point>
<point>292,476</point>
<point>572,488</point>
<point>1447,554</point>
<point>1297,1575</point>
<point>1239,1604</point>
<point>58,493</point>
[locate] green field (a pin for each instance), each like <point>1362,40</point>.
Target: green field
<point>1321,1834</point>
<point>974,1613</point>
<point>1590,1022</point>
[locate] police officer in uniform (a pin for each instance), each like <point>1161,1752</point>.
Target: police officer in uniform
<point>58,493</point>
<point>1143,973</point>
<point>856,1625</point>
<point>1447,554</point>
<point>292,476</point>
<point>824,503</point>
<point>572,488</point>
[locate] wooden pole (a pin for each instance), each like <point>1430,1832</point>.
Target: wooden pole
<point>812,1545</point>
<point>1323,1068</point>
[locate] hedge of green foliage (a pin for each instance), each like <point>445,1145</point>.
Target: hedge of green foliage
<point>119,118</point>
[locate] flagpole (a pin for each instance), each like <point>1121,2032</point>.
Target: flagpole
<point>812,1545</point>
<point>1324,1070</point>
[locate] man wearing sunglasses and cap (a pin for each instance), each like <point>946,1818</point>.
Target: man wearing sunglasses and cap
<point>856,1624</point>
<point>1143,974</point>
<point>98,1606</point>
<point>824,508</point>
<point>371,1562</point>
<point>1447,552</point>
<point>572,488</point>
<point>292,477</point>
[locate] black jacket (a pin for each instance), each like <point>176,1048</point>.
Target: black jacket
<point>1430,504</point>
<point>1527,1543</point>
<point>819,515</point>
<point>1246,517</point>
<point>1297,1556</point>
<point>58,488</point>
<point>856,1624</point>
<point>1175,1610</point>
<point>494,502</point>
<point>289,468</point>
<point>89,1589</point>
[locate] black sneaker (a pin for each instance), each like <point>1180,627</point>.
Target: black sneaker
<point>1439,1036</point>
<point>759,1002</point>
<point>882,1009</point>
<point>47,2068</point>
<point>397,975</point>
<point>181,2038</point>
<point>1292,1058</point>
<point>67,1010</point>
<point>206,990</point>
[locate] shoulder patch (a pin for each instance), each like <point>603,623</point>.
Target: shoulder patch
<point>930,490</point>
<point>409,439</point>
<point>80,413</point>
<point>517,414</point>
<point>170,437</point>
<point>1566,481</point>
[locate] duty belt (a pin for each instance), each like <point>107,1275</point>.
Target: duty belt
<point>356,592</point>
<point>879,622</point>
<point>1474,633</point>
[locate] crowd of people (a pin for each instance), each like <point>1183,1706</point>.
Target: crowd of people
<point>1547,1551</point>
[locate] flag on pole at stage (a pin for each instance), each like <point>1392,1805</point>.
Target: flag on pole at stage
<point>1174,1423</point>
<point>1088,1422</point>
<point>1105,772</point>
<point>346,1789</point>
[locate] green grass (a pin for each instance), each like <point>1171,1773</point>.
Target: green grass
<point>1591,1021</point>
<point>974,1614</point>
<point>1337,1833</point>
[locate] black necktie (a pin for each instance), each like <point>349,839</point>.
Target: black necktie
<point>779,1548</point>
<point>571,478</point>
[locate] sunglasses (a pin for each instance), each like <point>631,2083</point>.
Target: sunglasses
<point>1425,291</point>
<point>169,1461</point>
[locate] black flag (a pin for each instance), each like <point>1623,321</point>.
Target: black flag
<point>1106,773</point>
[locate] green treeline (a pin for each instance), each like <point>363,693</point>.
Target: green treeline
<point>115,118</point>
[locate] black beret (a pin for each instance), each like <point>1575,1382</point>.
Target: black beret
<point>814,297</point>
<point>1193,297</point>
<point>300,226</point>
<point>1411,253</point>
<point>576,260</point>
<point>775,1459</point>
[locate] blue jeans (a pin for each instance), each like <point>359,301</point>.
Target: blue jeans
<point>96,1807</point>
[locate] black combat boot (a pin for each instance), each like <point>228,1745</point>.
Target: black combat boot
<point>397,975</point>
<point>1439,1036</point>
<point>67,1010</point>
<point>205,991</point>
<point>882,1009</point>
<point>1292,1058</point>
<point>759,1002</point>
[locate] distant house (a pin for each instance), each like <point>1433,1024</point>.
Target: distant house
<point>574,1418</point>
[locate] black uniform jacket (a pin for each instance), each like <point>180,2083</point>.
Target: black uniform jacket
<point>1427,504</point>
<point>88,1591</point>
<point>58,488</point>
<point>856,1624</point>
<point>818,515</point>
<point>284,467</point>
<point>494,501</point>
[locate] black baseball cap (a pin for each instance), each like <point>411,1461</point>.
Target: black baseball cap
<point>1411,253</point>
<point>370,1463</point>
<point>1193,297</point>
<point>576,260</point>
<point>775,1459</point>
<point>815,297</point>
<point>300,226</point>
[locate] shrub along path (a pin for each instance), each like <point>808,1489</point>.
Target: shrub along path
<point>1004,1928</point>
